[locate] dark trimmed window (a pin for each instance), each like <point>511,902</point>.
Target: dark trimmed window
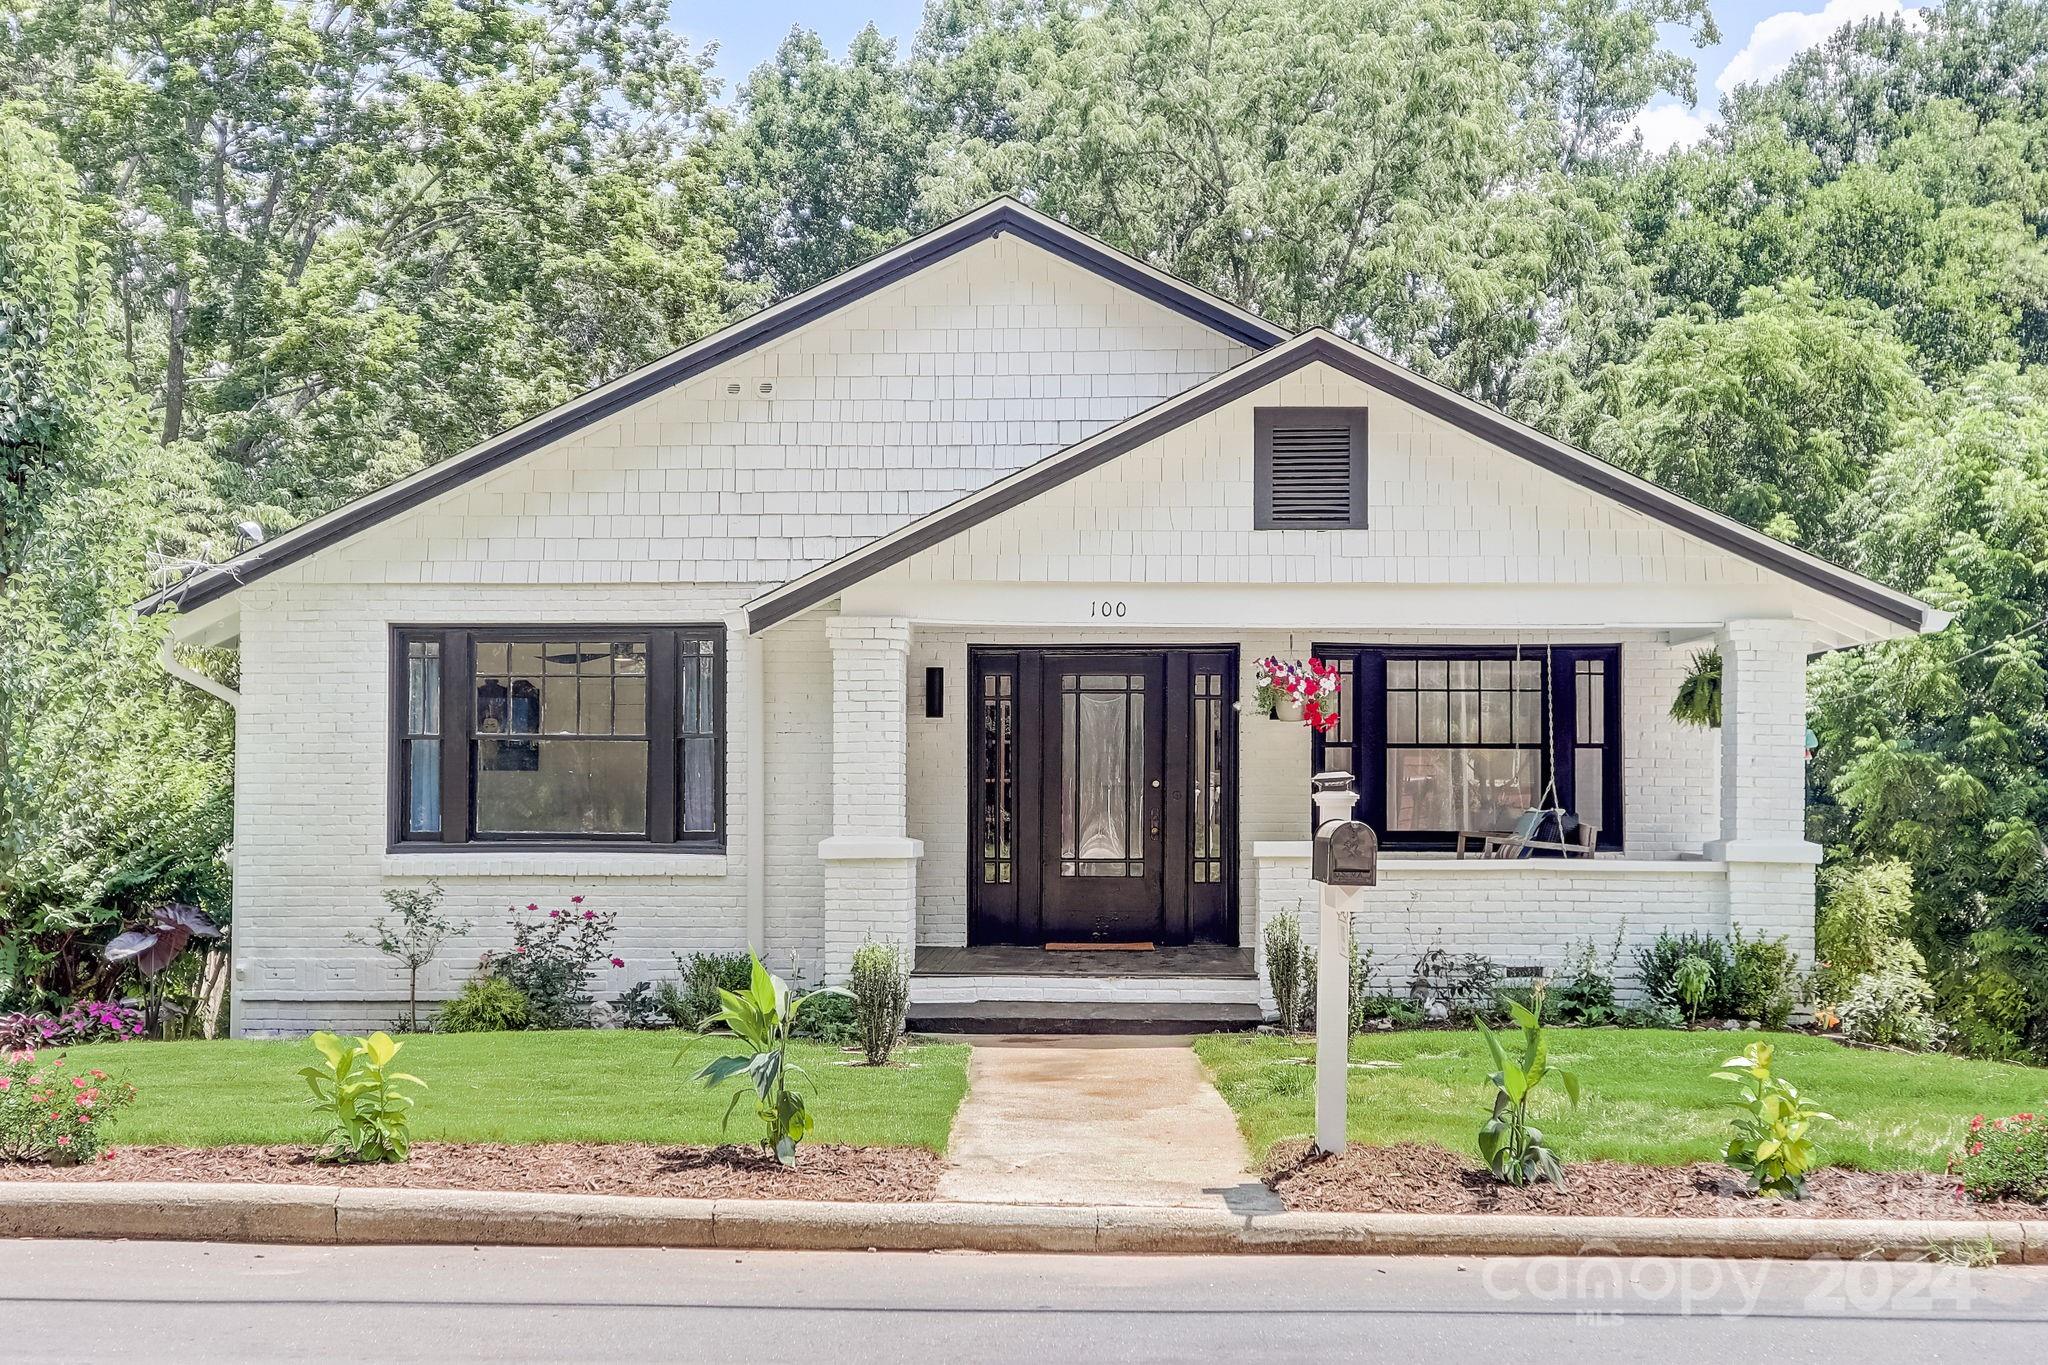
<point>1308,469</point>
<point>1444,739</point>
<point>558,736</point>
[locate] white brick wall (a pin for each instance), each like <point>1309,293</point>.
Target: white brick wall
<point>1513,912</point>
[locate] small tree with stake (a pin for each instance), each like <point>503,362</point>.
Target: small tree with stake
<point>415,940</point>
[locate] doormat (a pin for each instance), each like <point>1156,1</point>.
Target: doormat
<point>1099,947</point>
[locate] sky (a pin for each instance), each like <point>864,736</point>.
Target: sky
<point>1758,38</point>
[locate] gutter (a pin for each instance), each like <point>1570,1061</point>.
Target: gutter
<point>168,658</point>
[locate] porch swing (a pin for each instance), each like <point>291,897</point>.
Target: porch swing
<point>1546,827</point>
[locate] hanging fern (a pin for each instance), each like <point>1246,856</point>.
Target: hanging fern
<point>1699,697</point>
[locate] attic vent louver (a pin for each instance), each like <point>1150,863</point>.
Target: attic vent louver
<point>1308,468</point>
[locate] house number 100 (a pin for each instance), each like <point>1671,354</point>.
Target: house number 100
<point>1102,610</point>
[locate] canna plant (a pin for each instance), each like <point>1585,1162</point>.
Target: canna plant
<point>355,1088</point>
<point>763,1016</point>
<point>1770,1145</point>
<point>1512,1150</point>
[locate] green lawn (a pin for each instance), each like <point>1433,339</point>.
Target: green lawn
<point>1647,1095</point>
<point>613,1086</point>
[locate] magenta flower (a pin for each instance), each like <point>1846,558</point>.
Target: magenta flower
<point>575,900</point>
<point>590,914</point>
<point>554,914</point>
<point>618,962</point>
<point>530,906</point>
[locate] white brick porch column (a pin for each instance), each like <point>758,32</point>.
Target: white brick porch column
<point>1763,781</point>
<point>870,862</point>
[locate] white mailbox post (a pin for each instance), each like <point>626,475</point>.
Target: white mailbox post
<point>1346,861</point>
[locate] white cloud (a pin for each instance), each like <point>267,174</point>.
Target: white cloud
<point>1668,126</point>
<point>1776,40</point>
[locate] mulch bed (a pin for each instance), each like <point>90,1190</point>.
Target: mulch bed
<point>866,1175</point>
<point>1412,1178</point>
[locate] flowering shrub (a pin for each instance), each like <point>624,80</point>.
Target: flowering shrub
<point>89,1021</point>
<point>2005,1159</point>
<point>1312,685</point>
<point>551,961</point>
<point>49,1116</point>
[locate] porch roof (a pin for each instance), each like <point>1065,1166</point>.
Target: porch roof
<point>1886,604</point>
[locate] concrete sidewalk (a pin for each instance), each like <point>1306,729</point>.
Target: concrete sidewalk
<point>1099,1121</point>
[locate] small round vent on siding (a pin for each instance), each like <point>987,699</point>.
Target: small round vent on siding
<point>732,390</point>
<point>767,387</point>
<point>1310,468</point>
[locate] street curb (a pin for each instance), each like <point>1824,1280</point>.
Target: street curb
<point>329,1215</point>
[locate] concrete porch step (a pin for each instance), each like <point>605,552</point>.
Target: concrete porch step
<point>1073,1016</point>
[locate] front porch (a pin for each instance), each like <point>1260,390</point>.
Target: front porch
<point>1023,989</point>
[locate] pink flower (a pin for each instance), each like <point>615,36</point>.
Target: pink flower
<point>554,914</point>
<point>575,900</point>
<point>618,962</point>
<point>530,906</point>
<point>6,1083</point>
<point>64,1141</point>
<point>520,949</point>
<point>590,914</point>
<point>107,1155</point>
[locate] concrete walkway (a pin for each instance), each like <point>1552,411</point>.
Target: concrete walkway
<point>1101,1121</point>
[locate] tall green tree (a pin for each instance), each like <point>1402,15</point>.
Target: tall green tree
<point>1934,750</point>
<point>113,778</point>
<point>1776,416</point>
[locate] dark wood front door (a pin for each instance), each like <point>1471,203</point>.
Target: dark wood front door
<point>1101,851</point>
<point>1103,797</point>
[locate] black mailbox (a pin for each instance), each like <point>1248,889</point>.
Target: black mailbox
<point>1347,853</point>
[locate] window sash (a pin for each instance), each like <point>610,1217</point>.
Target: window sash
<point>683,734</point>
<point>1360,744</point>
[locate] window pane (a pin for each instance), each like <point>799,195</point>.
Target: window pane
<point>1430,673</point>
<point>1453,789</point>
<point>491,706</point>
<point>1401,673</point>
<point>700,786</point>
<point>1529,717</point>
<point>1431,716</point>
<point>594,706</point>
<point>558,706</point>
<point>1494,717</point>
<point>561,786</point>
<point>1400,717</point>
<point>423,785</point>
<point>523,714</point>
<point>491,660</point>
<point>423,687</point>
<point>1589,769</point>
<point>629,658</point>
<point>1464,673</point>
<point>1465,717</point>
<point>525,659</point>
<point>629,706</point>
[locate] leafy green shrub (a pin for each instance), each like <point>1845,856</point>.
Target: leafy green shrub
<point>2005,1159</point>
<point>1863,910</point>
<point>551,961</point>
<point>1693,982</point>
<point>1358,967</point>
<point>1657,965</point>
<point>880,986</point>
<point>703,975</point>
<point>1584,993</point>
<point>640,1007</point>
<point>829,1017</point>
<point>1699,693</point>
<point>1892,1005</point>
<point>764,1017</point>
<point>354,1088</point>
<point>1396,1010</point>
<point>1285,957</point>
<point>414,940</point>
<point>486,1004</point>
<point>1770,1145</point>
<point>1466,984</point>
<point>1763,979</point>
<point>1650,1014</point>
<point>1512,1150</point>
<point>50,1118</point>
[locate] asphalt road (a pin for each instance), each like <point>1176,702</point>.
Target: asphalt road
<point>141,1301</point>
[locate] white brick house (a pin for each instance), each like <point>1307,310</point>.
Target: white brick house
<point>916,608</point>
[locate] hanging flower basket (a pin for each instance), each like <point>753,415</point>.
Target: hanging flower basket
<point>1300,693</point>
